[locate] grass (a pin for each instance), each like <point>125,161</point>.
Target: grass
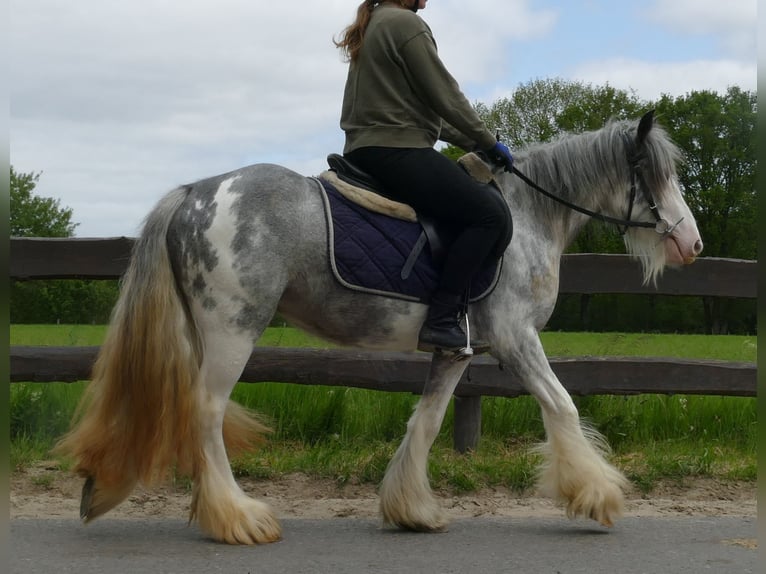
<point>349,435</point>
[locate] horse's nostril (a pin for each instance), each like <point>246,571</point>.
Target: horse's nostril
<point>698,247</point>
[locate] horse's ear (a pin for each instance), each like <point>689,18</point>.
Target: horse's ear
<point>646,123</point>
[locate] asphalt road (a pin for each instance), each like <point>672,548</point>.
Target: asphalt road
<point>340,546</point>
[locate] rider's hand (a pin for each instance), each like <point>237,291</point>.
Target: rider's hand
<point>501,155</point>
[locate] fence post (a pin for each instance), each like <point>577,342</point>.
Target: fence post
<point>467,423</point>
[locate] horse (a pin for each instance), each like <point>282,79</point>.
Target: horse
<point>216,260</point>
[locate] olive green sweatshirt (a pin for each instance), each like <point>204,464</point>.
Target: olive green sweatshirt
<point>399,94</point>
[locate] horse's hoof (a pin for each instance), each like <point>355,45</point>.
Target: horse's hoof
<point>602,517</point>
<point>99,498</point>
<point>437,529</point>
<point>440,527</point>
<point>86,499</point>
<point>428,519</point>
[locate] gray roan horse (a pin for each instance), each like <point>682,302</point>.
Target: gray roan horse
<point>218,258</point>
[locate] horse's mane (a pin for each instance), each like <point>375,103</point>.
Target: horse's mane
<point>597,161</point>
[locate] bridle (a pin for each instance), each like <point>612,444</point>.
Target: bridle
<point>661,226</point>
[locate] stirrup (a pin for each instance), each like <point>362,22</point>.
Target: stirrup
<point>462,353</point>
<point>466,351</point>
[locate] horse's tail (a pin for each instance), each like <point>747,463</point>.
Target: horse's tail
<point>139,417</point>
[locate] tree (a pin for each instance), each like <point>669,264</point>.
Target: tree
<point>532,112</point>
<point>67,301</point>
<point>35,216</point>
<point>718,136</point>
<point>598,105</point>
<point>541,110</point>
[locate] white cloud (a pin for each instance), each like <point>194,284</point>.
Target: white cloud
<point>473,37</point>
<point>116,102</point>
<point>733,22</point>
<point>706,15</point>
<point>652,79</point>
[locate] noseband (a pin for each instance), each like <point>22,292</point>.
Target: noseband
<point>661,226</point>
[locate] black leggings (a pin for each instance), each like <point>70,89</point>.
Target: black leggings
<point>439,189</point>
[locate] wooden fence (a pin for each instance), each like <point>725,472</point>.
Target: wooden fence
<point>42,258</point>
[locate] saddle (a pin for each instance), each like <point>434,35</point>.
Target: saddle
<point>363,189</point>
<point>378,245</point>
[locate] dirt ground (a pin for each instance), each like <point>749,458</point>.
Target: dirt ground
<point>44,491</point>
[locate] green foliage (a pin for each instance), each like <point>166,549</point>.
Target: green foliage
<point>34,216</point>
<point>540,110</point>
<point>653,313</point>
<point>531,113</point>
<point>627,422</point>
<point>38,414</point>
<point>599,105</point>
<point>311,414</point>
<point>718,137</point>
<point>63,301</point>
<point>67,301</point>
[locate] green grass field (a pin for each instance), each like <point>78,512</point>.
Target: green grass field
<point>350,434</point>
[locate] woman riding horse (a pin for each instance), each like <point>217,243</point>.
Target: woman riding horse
<point>399,100</point>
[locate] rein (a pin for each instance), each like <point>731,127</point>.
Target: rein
<point>661,226</point>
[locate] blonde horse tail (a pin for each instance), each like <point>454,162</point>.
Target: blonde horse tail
<point>139,417</point>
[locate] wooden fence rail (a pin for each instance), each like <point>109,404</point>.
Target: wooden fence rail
<point>37,258</point>
<point>107,258</point>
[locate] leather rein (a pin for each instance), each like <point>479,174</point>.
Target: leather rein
<point>661,226</point>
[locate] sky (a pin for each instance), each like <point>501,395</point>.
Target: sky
<point>115,103</point>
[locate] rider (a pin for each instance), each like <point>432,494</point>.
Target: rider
<point>399,100</point>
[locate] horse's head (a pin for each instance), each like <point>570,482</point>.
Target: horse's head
<point>656,196</point>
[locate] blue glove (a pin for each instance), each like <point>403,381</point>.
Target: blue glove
<point>501,155</point>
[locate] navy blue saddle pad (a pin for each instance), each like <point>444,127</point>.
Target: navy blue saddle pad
<point>369,250</point>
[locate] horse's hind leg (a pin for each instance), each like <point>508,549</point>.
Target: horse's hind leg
<point>223,510</point>
<point>406,499</point>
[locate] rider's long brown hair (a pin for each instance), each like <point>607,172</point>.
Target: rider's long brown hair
<point>351,39</point>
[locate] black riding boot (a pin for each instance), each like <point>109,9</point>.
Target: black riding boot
<point>442,329</point>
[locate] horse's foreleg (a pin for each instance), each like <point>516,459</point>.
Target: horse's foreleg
<point>406,499</point>
<point>223,510</point>
<point>574,470</point>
